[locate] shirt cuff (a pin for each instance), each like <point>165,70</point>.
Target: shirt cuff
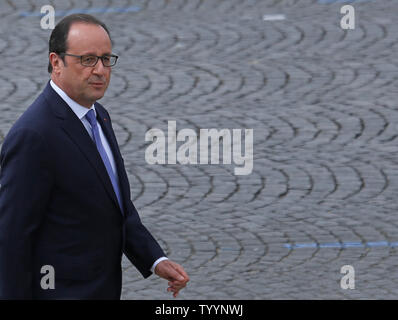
<point>156,263</point>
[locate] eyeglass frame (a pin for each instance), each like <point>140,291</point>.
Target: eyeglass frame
<point>92,55</point>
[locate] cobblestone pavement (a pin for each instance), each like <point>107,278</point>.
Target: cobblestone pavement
<point>322,104</point>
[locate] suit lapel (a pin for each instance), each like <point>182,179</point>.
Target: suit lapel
<point>74,128</point>
<point>106,126</point>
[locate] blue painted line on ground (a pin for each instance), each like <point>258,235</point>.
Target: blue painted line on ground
<point>342,245</point>
<point>82,10</point>
<point>330,245</point>
<point>353,245</point>
<point>378,244</point>
<point>341,1</point>
<point>306,245</point>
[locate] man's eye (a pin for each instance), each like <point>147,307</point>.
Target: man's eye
<point>89,59</point>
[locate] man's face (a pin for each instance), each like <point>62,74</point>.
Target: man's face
<point>85,85</point>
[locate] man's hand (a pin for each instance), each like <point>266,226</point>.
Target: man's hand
<point>173,272</point>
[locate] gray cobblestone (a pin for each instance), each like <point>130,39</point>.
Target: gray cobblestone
<point>321,101</point>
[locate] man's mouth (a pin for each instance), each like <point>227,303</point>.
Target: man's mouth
<point>97,84</point>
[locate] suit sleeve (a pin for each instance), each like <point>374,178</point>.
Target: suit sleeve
<point>140,248</point>
<point>25,185</point>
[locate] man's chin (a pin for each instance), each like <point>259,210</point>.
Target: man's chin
<point>97,95</point>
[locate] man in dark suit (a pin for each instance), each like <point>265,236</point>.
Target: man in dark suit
<point>64,193</point>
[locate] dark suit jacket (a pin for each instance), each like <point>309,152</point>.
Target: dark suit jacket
<point>58,208</point>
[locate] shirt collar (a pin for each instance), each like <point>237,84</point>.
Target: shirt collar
<point>78,109</point>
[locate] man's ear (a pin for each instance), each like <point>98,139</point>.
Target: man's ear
<point>56,62</point>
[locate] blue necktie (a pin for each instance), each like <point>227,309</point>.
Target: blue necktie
<point>90,116</point>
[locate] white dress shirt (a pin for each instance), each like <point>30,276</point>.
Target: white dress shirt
<point>81,112</point>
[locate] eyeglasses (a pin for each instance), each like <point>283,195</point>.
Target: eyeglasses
<point>89,60</point>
